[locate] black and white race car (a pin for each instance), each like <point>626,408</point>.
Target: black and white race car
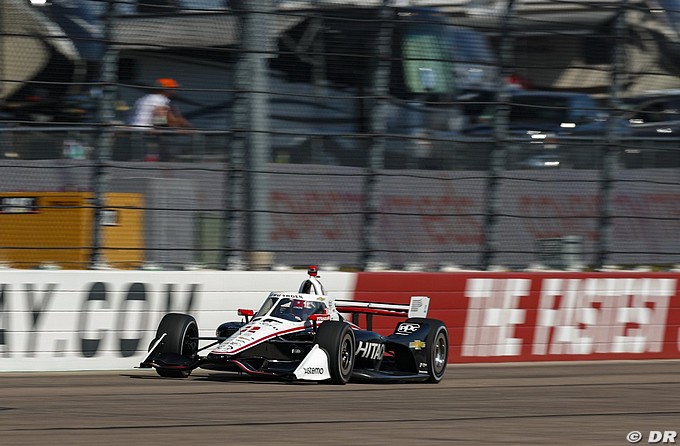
<point>303,335</point>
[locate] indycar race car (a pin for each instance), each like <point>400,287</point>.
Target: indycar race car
<point>303,335</point>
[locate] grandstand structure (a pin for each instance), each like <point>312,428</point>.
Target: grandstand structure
<point>566,56</point>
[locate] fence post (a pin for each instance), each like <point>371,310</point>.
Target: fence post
<point>3,51</point>
<point>106,116</point>
<point>378,125</point>
<point>610,151</point>
<point>250,149</point>
<point>499,151</point>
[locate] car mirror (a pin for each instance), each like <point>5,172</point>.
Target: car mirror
<point>247,313</point>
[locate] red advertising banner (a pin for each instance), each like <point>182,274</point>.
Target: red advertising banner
<point>551,316</point>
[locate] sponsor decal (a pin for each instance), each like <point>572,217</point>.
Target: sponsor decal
<point>18,205</point>
<point>417,345</point>
<point>370,350</point>
<point>273,323</point>
<point>110,217</point>
<point>231,344</point>
<point>290,296</point>
<point>247,340</point>
<point>407,328</point>
<point>313,370</point>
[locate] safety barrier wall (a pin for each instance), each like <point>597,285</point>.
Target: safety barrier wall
<point>105,320</point>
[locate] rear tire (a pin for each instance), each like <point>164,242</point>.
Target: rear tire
<point>181,339</point>
<point>436,346</point>
<point>437,352</point>
<point>336,338</point>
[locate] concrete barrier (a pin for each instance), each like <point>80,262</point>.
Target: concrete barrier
<point>105,320</point>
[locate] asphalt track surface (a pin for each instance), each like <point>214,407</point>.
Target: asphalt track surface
<point>544,404</point>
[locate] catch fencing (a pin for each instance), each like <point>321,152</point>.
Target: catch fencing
<point>360,135</point>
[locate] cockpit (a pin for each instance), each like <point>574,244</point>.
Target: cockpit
<point>290,308</point>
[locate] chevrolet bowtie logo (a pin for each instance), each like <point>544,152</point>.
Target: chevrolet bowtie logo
<point>417,345</point>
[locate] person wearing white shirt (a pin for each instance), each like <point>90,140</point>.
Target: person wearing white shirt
<point>152,112</point>
<point>155,109</point>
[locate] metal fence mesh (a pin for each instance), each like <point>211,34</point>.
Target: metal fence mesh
<point>478,134</point>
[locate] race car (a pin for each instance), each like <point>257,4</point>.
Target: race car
<point>305,336</point>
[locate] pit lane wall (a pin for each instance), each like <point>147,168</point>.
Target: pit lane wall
<point>105,320</point>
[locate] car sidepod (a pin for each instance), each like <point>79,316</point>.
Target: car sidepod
<point>420,345</point>
<point>370,350</point>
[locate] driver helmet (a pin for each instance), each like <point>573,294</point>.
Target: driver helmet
<point>298,307</point>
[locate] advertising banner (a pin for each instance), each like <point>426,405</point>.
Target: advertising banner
<point>517,317</point>
<point>105,320</point>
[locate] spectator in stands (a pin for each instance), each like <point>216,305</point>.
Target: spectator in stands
<point>156,108</point>
<point>156,111</point>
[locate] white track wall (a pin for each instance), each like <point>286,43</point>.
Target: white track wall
<point>105,320</point>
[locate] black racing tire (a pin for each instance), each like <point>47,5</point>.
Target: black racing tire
<point>181,339</point>
<point>337,339</point>
<point>437,352</point>
<point>437,348</point>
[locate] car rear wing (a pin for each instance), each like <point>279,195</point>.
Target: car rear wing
<point>418,307</point>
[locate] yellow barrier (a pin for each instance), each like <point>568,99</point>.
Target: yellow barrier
<point>55,228</point>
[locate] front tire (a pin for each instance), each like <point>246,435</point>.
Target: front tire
<point>181,339</point>
<point>336,338</point>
